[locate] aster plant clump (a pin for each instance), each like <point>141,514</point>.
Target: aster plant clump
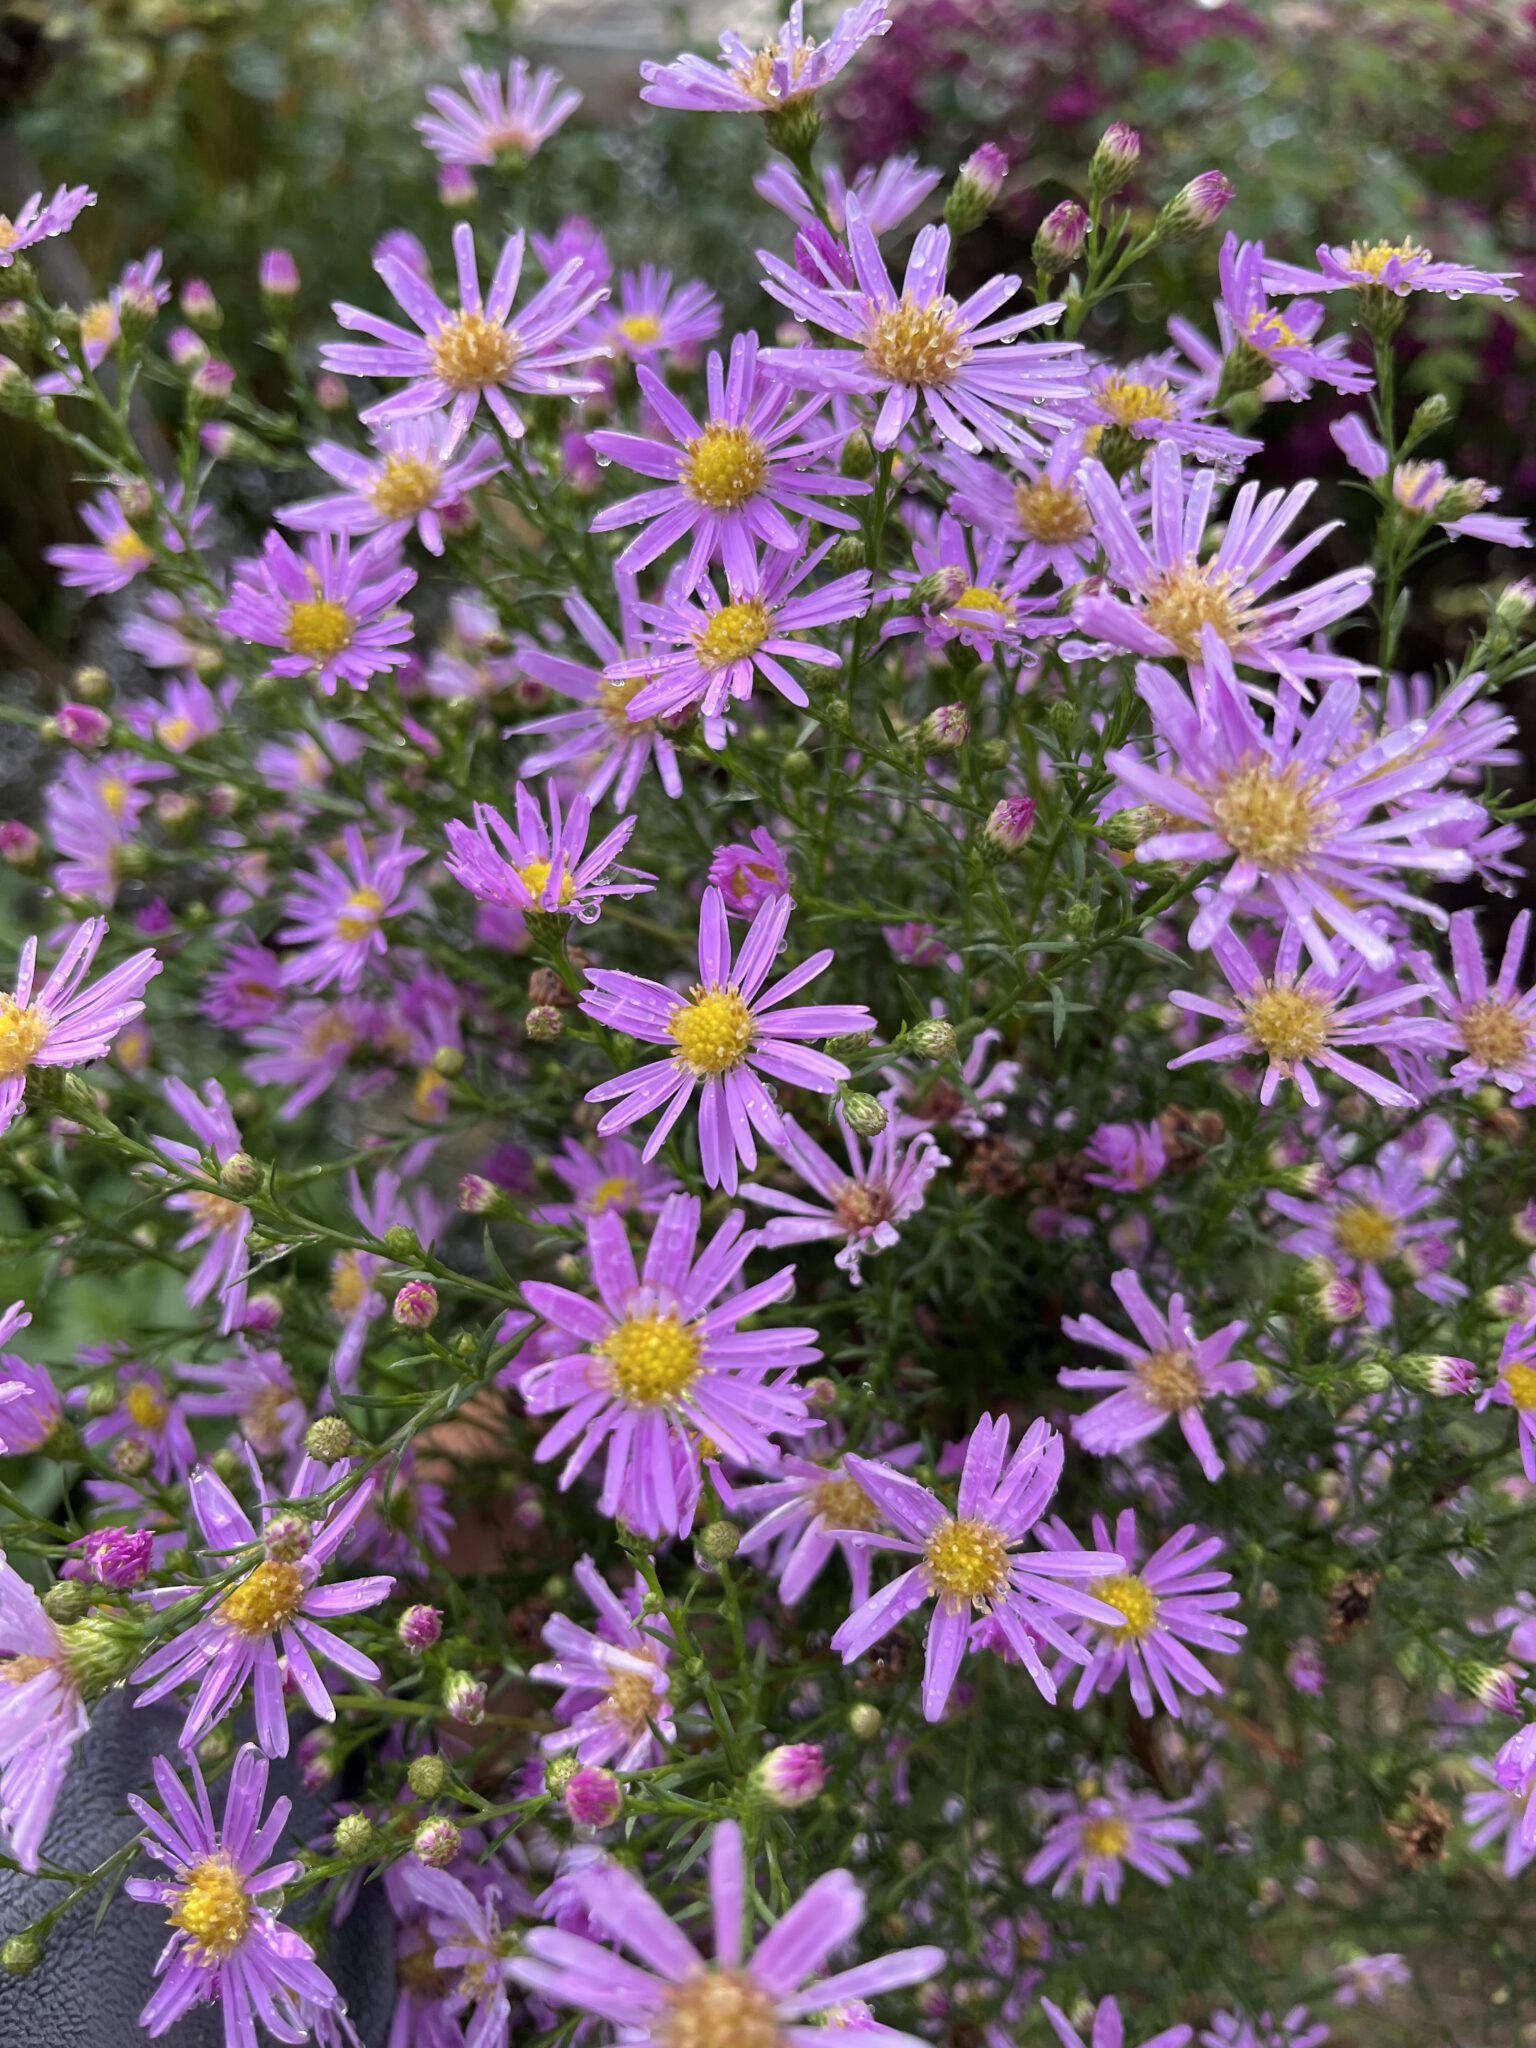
<point>756,1176</point>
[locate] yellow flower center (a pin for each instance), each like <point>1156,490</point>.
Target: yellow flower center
<point>1130,403</point>
<point>713,1030</point>
<point>98,323</point>
<point>1185,600</point>
<point>264,1599</point>
<point>1492,1032</point>
<point>967,1560</point>
<point>327,1032</point>
<point>917,345</point>
<point>1363,1231</point>
<point>618,1191</point>
<point>217,1211</point>
<point>17,1670</point>
<point>1287,1024</point>
<point>756,75</point>
<point>319,627</point>
<point>726,467</point>
<point>23,1034</point>
<point>146,1405</point>
<point>1170,1380</point>
<point>631,1700</point>
<point>7,232</point>
<point>976,597</point>
<point>175,733</point>
<point>1134,1599</point>
<point>1271,816</point>
<point>843,1504</point>
<point>735,631</point>
<point>214,1910</point>
<point>128,551</point>
<point>1052,513</point>
<point>641,330</point>
<point>614,700</point>
<point>717,2009</point>
<point>350,1287</point>
<point>359,915</point>
<point>1108,1835</point>
<point>405,486</point>
<point>470,352</point>
<point>1268,330</point>
<point>1373,257</point>
<point>860,1206</point>
<point>113,792</point>
<point>653,1358</point>
<point>535,876</point>
<point>1521,1382</point>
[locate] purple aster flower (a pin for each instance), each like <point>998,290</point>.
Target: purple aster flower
<point>42,1716</point>
<point>1293,2029</point>
<point>1396,267</point>
<point>30,1408</point>
<point>1502,1814</point>
<point>149,1411</point>
<point>1040,509</point>
<point>733,483</point>
<point>470,1944</point>
<point>726,1038</point>
<point>38,220</point>
<point>1515,1387</point>
<point>736,1996</point>
<point>614,1177</point>
<point>1108,2029</point>
<point>1143,400</point>
<point>1171,1609</point>
<point>1178,603</point>
<point>93,810</point>
<point>970,1563</point>
<point>1427,490</point>
<point>544,867</point>
<point>1370,1979</point>
<point>353,1297</point>
<point>479,352</point>
<point>339,910</point>
<point>656,1365</point>
<point>304,1049</point>
<point>809,1510</point>
<point>1286,806</point>
<point>764,81</point>
<point>491,122</point>
<point>1285,342</point>
<point>255,1390</point>
<point>276,1600</point>
<point>969,369</point>
<point>886,193</point>
<point>224,1226</point>
<point>1298,1021</point>
<point>1171,1372</point>
<point>614,1707</point>
<point>331,613</point>
<point>417,472</point>
<point>655,318</point>
<point>62,1024</point>
<point>978,594</point>
<point>118,554</point>
<point>861,1203</point>
<point>246,987</point>
<point>600,738</point>
<point>930,1102</point>
<point>227,1947</point>
<point>1126,1157</point>
<point>1095,1835</point>
<point>748,876</point>
<point>1375,1217</point>
<point>1489,1021</point>
<point>708,653</point>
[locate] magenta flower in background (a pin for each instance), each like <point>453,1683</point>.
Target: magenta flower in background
<point>654,317</point>
<point>707,653</point>
<point>727,1037</point>
<point>255,1390</point>
<point>479,353</point>
<point>614,1707</point>
<point>93,809</point>
<point>491,120</point>
<point>30,1408</point>
<point>1287,341</point>
<point>332,614</point>
<point>861,1203</point>
<point>734,483</point>
<point>420,469</point>
<point>1176,603</point>
<point>42,1716</point>
<point>977,382</point>
<point>62,1024</point>
<point>227,1948</point>
<point>678,1995</point>
<point>224,1226</point>
<point>1171,1372</point>
<point>1300,1020</point>
<point>1396,267</point>
<point>750,875</point>
<point>1108,2030</point>
<point>1171,1610</point>
<point>1375,1216</point>
<point>1490,1021</point>
<point>1095,1835</point>
<point>1370,1979</point>
<point>339,909</point>
<point>275,1602</point>
<point>1125,1157</point>
<point>747,81</point>
<point>37,220</point>
<point>1515,1387</point>
<point>531,865</point>
<point>807,1511</point>
<point>656,1365</point>
<point>969,1563</point>
<point>304,1049</point>
<point>1427,489</point>
<point>246,987</point>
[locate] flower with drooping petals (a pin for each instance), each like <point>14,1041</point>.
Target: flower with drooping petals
<point>420,470</point>
<point>1096,1834</point>
<point>537,866</point>
<point>970,1564</point>
<point>255,1389</point>
<point>1490,1021</point>
<point>1382,1215</point>
<point>1427,490</point>
<point>726,1038</point>
<point>61,1024</point>
<point>38,220</point>
<point>42,1715</point>
<point>339,910</point>
<point>886,193</point>
<point>1395,267</point>
<point>117,555</point>
<point>613,1177</point>
<point>1170,1373</point>
<point>331,613</point>
<point>862,1204</point>
<point>1282,345</point>
<point>614,1707</point>
<point>750,875</point>
<point>492,122</point>
<point>764,81</point>
<point>1109,2029</point>
<point>808,1510</point>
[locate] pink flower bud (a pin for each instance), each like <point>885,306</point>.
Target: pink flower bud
<point>419,1628</point>
<point>594,1797</point>
<point>82,725</point>
<point>416,1305</point>
<point>791,1775</point>
<point>279,274</point>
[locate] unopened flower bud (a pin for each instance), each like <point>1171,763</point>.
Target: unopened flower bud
<point>21,1955</point>
<point>198,303</point>
<point>796,768</point>
<point>355,1836</point>
<point>791,1775</point>
<point>1515,606</point>
<point>402,1243</point>
<point>865,1115</point>
<point>419,1628</point>
<point>1198,206</point>
<point>427,1776</point>
<point>210,386</point>
<point>865,1721</point>
<point>331,394</point>
<point>938,591</point>
<point>718,1542</point>
<point>286,1538</point>
<point>934,1039</point>
<point>456,187</point>
<point>278,276</point>
<point>81,725</point>
<point>69,1600</point>
<point>119,1558</point>
<point>1340,1300</point>
<point>1113,161</point>
<point>846,554</point>
<point>1430,415</point>
<point>945,730</point>
<point>1371,1376</point>
<point>594,1798</point>
<point>1061,237</point>
<point>241,1175</point>
<point>544,1024</point>
<point>19,844</point>
<point>1011,822</point>
<point>1435,1373</point>
<point>481,1197</point>
<point>976,189</point>
<point>416,1306</point>
<point>436,1841</point>
<point>186,349</point>
<point>464,1697</point>
<point>328,1438</point>
<point>857,459</point>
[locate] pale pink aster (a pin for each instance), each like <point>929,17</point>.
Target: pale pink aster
<point>112,560</point>
<point>1370,1979</point>
<point>806,1512</point>
<point>1489,1021</point>
<point>255,1390</point>
<point>750,874</point>
<point>331,613</point>
<point>861,1203</point>
<point>1170,1373</point>
<point>304,1049</point>
<point>1125,1157</point>
<point>1108,2029</point>
<point>1514,1387</point>
<point>977,382</point>
<point>222,1225</point>
<point>1039,507</point>
<point>677,1995</point>
<point>1146,400</point>
<point>420,469</point>
<point>1287,341</point>
<point>1502,1815</point>
<point>886,193</point>
<point>339,910</point>
<point>614,1176</point>
<point>933,1102</point>
<point>93,809</point>
<point>275,1603</point>
<point>978,598</point>
<point>654,317</point>
<point>246,987</point>
<point>493,120</point>
<point>614,1706</point>
<point>62,1024</point>
<point>1388,1214</point>
<point>42,1717</point>
<point>970,1563</point>
<point>726,1038</point>
<point>763,81</point>
<point>1094,1837</point>
<point>534,865</point>
<point>37,220</point>
<point>479,352</point>
<point>149,1411</point>
<point>1426,489</point>
<point>1396,267</point>
<point>471,1944</point>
